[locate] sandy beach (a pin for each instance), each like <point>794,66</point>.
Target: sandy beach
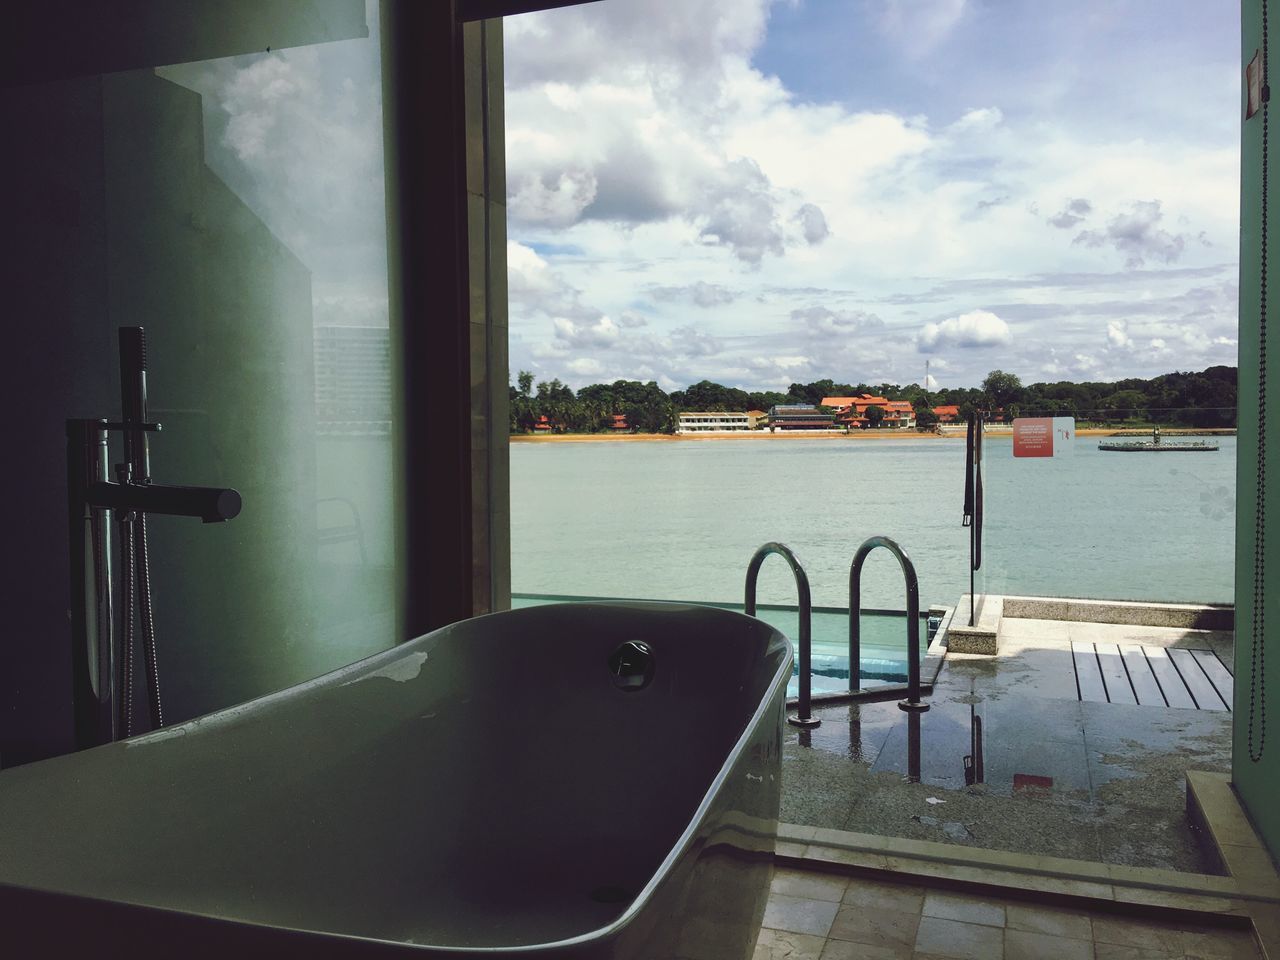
<point>872,436</point>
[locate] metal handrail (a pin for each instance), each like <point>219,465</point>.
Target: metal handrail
<point>804,717</point>
<point>913,701</point>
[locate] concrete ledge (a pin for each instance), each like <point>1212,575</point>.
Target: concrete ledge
<point>1213,805</point>
<point>1125,891</point>
<point>983,638</point>
<point>1189,616</point>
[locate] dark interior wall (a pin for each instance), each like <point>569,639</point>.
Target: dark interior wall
<point>56,39</point>
<point>111,216</point>
<point>56,338</point>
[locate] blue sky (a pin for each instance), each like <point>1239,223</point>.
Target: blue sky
<point>758,193</point>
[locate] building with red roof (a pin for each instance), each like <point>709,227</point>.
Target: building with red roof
<point>852,411</point>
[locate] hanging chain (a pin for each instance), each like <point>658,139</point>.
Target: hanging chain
<point>1257,646</point>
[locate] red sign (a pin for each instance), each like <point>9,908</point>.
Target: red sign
<point>1043,436</point>
<point>1033,437</point>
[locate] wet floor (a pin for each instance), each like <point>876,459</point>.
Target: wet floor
<point>1008,757</point>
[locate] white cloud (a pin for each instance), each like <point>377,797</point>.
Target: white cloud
<point>586,366</point>
<point>1117,335</point>
<point>700,293</point>
<point>812,223</point>
<point>824,323</point>
<point>977,328</point>
<point>600,332</point>
<point>1072,212</point>
<point>727,204</point>
<point>1136,233</point>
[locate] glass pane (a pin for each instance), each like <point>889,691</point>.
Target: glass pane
<point>233,208</point>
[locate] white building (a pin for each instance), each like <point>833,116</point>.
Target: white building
<point>713,423</point>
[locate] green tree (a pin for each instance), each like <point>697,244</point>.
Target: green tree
<point>1002,388</point>
<point>525,380</point>
<point>926,419</point>
<point>1127,404</point>
<point>874,415</point>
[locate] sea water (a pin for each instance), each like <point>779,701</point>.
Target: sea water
<point>680,519</point>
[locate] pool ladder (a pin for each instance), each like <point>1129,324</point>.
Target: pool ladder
<point>804,715</point>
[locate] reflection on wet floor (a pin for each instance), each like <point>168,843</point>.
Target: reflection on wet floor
<point>1009,758</point>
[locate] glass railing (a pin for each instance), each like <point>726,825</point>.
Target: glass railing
<point>1128,523</point>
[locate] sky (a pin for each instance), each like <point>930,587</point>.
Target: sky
<point>760,193</point>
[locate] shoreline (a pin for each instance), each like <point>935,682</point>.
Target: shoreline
<point>859,436</point>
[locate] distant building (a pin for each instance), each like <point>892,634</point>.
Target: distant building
<point>899,415</point>
<point>543,424</point>
<point>353,381</point>
<point>839,404</point>
<point>800,417</point>
<point>714,422</point>
<point>852,411</point>
<point>758,418</point>
<point>948,413</point>
<point>618,423</point>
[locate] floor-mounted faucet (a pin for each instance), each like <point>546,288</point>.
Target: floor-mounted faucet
<point>102,671</point>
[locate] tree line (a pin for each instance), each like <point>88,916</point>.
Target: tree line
<point>1205,399</point>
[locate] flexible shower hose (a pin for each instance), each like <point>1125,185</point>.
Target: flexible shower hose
<point>136,587</point>
<point>148,624</point>
<point>127,623</point>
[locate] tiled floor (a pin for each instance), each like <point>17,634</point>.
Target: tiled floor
<point>1009,758</point>
<point>818,916</point>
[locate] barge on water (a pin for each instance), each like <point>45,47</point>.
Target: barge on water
<point>1155,445</point>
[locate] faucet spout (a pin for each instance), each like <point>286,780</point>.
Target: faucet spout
<point>210,504</point>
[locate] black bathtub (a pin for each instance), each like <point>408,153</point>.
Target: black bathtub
<point>503,786</point>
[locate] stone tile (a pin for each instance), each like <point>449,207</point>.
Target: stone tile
<point>798,915</point>
<point>1124,931</point>
<point>783,945</point>
<point>1027,630</point>
<point>1158,837</point>
<point>894,929</point>
<point>1015,719</point>
<point>1071,888</point>
<point>963,941</point>
<point>1039,769</point>
<point>848,950</point>
<point>1117,951</point>
<point>1054,921</point>
<point>809,885</point>
<point>944,738</point>
<point>849,858</point>
<point>1219,944</point>
<point>1025,945</point>
<point>785,848</point>
<point>951,906</point>
<point>873,895</point>
<point>1182,901</point>
<point>1251,866</point>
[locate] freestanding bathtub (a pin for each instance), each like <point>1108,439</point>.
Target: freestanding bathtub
<point>507,786</point>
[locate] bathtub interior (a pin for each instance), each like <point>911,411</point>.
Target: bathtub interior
<point>485,785</point>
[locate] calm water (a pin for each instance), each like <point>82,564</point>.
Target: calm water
<point>680,520</point>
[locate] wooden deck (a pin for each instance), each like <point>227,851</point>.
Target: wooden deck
<point>1151,676</point>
